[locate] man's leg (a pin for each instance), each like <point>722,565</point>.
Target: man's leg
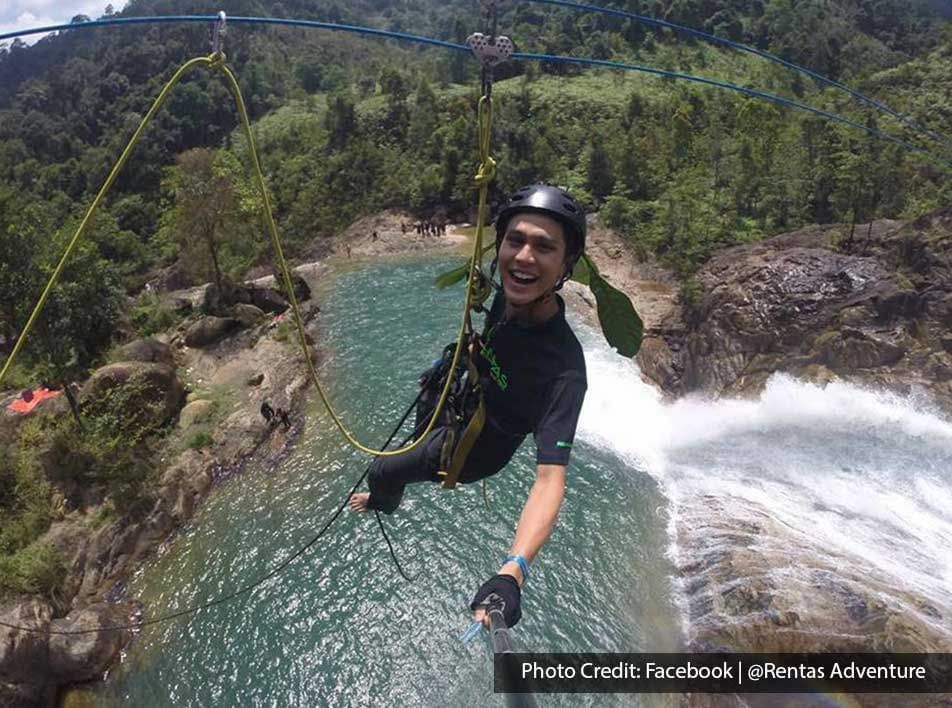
<point>390,475</point>
<point>491,452</point>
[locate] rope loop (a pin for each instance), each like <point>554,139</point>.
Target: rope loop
<point>486,173</point>
<point>216,61</point>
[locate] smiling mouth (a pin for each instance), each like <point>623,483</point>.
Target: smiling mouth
<point>521,278</point>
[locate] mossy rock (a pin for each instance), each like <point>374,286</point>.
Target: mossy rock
<point>145,387</point>
<point>196,411</point>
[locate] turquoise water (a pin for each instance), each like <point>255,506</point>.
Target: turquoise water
<point>340,626</point>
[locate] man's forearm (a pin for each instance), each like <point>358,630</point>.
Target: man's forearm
<point>538,517</point>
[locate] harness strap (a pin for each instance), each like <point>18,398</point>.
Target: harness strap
<point>456,452</point>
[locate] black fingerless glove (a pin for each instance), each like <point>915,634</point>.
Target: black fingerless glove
<point>508,589</point>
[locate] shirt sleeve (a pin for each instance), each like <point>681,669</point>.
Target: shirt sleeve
<point>555,433</point>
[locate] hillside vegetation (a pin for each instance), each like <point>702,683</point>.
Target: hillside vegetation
<point>348,126</point>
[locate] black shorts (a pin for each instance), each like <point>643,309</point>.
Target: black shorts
<point>389,475</point>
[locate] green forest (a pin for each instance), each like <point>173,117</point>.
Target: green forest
<point>348,125</point>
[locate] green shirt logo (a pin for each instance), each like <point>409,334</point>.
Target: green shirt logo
<point>562,443</point>
<point>495,371</point>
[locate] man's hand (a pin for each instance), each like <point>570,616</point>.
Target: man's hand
<point>506,587</point>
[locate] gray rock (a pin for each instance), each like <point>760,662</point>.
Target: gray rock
<point>180,305</point>
<point>851,349</point>
<point>255,380</point>
<point>185,484</point>
<point>794,301</point>
<point>209,330</point>
<point>83,657</point>
<point>248,315</point>
<point>215,301</point>
<point>269,300</point>
<point>147,350</point>
<point>23,654</point>
<point>27,695</point>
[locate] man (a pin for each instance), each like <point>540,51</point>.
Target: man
<point>532,376</point>
<point>267,412</point>
<point>282,415</point>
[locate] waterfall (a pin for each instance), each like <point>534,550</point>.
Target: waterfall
<point>861,475</point>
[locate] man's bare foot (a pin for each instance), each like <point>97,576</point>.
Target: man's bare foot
<point>358,501</point>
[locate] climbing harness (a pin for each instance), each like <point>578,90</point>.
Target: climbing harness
<point>476,293</point>
<point>491,50</point>
<point>467,418</point>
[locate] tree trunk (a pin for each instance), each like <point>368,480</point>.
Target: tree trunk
<point>73,405</point>
<point>213,252</point>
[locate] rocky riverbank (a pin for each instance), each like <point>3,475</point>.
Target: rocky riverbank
<point>872,310</point>
<point>208,377</point>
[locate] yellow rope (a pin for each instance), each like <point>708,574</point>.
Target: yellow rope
<point>92,209</point>
<point>217,61</point>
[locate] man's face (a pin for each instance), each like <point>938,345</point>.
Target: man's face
<point>531,257</point>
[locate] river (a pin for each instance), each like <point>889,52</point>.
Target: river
<point>867,473</point>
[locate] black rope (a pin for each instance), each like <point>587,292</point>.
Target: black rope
<point>393,555</point>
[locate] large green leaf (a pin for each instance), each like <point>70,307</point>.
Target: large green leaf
<point>452,277</point>
<point>458,274</point>
<point>621,325</point>
<point>580,271</point>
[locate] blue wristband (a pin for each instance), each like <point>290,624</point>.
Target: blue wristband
<point>523,565</point>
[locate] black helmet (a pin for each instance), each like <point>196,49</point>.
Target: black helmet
<point>551,201</point>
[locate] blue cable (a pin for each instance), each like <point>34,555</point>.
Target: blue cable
<point>462,48</point>
<point>733,87</point>
<point>239,20</point>
<point>714,39</point>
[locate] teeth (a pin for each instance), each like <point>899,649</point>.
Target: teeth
<point>519,275</point>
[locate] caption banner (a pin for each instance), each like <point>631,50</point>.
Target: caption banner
<point>722,673</point>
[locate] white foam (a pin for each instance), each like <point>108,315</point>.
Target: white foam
<point>862,473</point>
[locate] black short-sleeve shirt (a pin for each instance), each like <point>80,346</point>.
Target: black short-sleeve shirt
<point>533,380</point>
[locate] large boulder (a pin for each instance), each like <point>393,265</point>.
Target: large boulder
<point>209,330</point>
<point>216,301</point>
<point>34,661</point>
<point>23,654</point>
<point>302,291</point>
<point>147,350</point>
<point>762,300</point>
<point>875,312</point>
<point>269,300</point>
<point>248,315</point>
<point>83,657</point>
<point>195,412</point>
<point>151,387</point>
<point>184,485</point>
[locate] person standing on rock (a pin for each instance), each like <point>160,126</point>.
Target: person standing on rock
<point>267,412</point>
<point>532,377</point>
